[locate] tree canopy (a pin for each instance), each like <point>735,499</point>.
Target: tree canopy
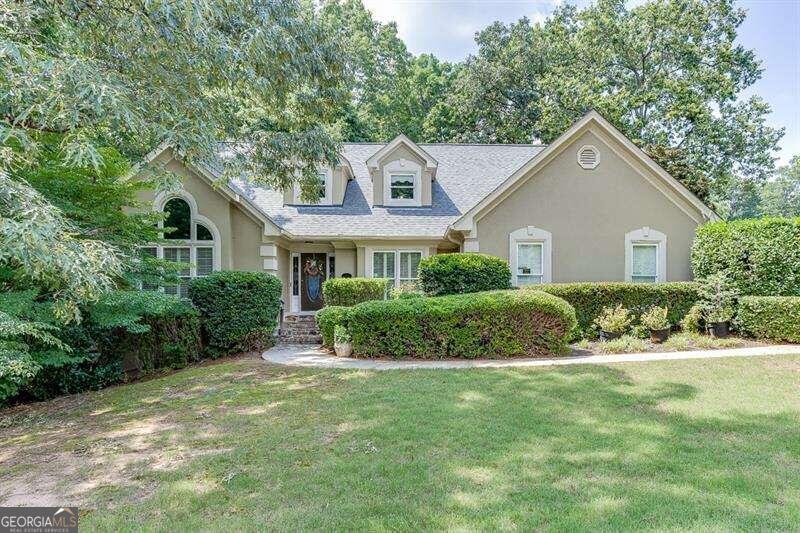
<point>391,91</point>
<point>780,197</point>
<point>668,73</point>
<point>189,73</point>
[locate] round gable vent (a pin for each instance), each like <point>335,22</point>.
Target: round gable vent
<point>588,157</point>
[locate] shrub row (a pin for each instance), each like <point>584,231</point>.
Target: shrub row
<point>133,333</point>
<point>239,310</point>
<point>770,317</point>
<point>495,324</point>
<point>462,273</point>
<point>760,256</point>
<point>589,299</point>
<point>352,291</point>
<point>125,334</point>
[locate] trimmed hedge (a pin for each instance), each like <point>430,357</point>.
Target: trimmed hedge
<point>495,324</point>
<point>589,299</point>
<point>238,310</point>
<point>760,256</point>
<point>352,291</point>
<point>770,317</point>
<point>461,273</point>
<point>328,318</point>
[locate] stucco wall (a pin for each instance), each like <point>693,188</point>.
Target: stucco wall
<point>588,213</point>
<point>246,234</point>
<point>284,266</point>
<point>346,261</point>
<point>240,234</point>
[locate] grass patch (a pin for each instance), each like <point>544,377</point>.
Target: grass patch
<point>696,341</point>
<point>624,344</point>
<point>677,342</point>
<point>690,445</point>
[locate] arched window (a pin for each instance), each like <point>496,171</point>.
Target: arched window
<point>179,218</point>
<point>195,243</point>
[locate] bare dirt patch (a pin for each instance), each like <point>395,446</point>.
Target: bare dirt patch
<point>60,451</point>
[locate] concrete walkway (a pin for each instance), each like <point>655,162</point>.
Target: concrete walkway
<point>314,356</point>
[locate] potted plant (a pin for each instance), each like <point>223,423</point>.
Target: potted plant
<point>342,343</point>
<point>613,322</point>
<point>655,319</point>
<point>718,300</point>
<point>718,322</point>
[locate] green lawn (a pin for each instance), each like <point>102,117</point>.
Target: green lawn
<point>698,445</point>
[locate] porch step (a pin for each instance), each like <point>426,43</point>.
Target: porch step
<point>299,329</point>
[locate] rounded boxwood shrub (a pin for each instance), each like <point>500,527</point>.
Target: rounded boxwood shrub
<point>495,324</point>
<point>238,310</point>
<point>770,317</point>
<point>461,273</point>
<point>760,256</point>
<point>352,291</point>
<point>328,318</point>
<point>590,298</point>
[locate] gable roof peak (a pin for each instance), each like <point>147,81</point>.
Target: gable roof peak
<point>430,161</point>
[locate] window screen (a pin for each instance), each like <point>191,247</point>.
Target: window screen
<point>645,263</point>
<point>529,263</point>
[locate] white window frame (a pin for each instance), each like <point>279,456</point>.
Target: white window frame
<point>397,280</point>
<point>531,235</point>
<point>651,237</point>
<point>517,274</point>
<point>404,167</point>
<point>193,243</point>
<point>326,174</point>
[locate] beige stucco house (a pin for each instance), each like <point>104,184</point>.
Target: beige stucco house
<point>590,206</point>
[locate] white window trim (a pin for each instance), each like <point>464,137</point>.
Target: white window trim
<point>327,200</point>
<point>646,235</point>
<point>193,243</point>
<point>402,166</point>
<point>369,260</point>
<point>531,234</point>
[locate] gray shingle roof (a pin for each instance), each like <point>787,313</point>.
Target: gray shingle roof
<point>466,174</point>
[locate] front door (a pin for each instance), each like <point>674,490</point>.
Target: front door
<point>312,274</point>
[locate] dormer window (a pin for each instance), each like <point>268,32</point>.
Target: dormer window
<point>401,186</point>
<point>324,190</point>
<point>402,183</point>
<point>402,174</point>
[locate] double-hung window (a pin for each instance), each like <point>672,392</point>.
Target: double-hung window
<point>383,264</point>
<point>409,266</point>
<point>401,186</point>
<point>530,266</point>
<point>644,263</point>
<point>398,266</point>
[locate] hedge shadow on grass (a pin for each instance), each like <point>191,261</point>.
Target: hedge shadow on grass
<point>583,447</point>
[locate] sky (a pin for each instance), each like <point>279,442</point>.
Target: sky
<point>446,29</point>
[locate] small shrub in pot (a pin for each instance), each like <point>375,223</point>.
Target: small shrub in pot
<point>718,299</point>
<point>613,322</point>
<point>342,342</point>
<point>657,321</point>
